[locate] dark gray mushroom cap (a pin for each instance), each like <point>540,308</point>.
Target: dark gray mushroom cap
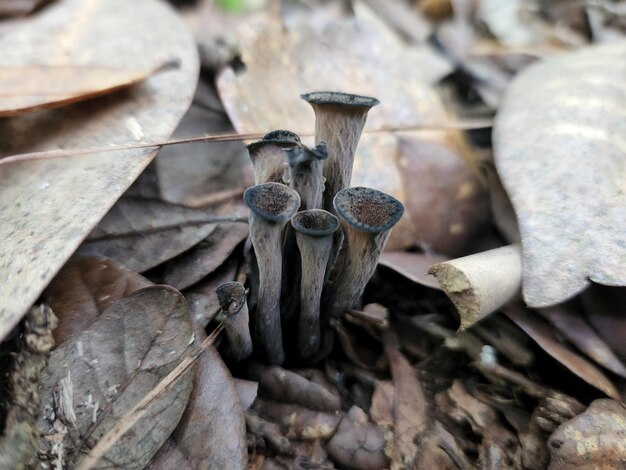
<point>339,99</point>
<point>231,296</point>
<point>315,222</point>
<point>273,202</point>
<point>368,210</point>
<point>280,138</point>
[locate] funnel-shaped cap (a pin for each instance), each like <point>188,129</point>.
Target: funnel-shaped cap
<point>315,222</point>
<point>299,155</point>
<point>335,98</point>
<point>279,138</point>
<point>368,210</point>
<point>273,202</point>
<point>231,296</point>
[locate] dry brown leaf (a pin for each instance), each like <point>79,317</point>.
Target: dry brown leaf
<point>544,336</point>
<point>211,432</point>
<point>559,150</point>
<point>605,311</point>
<point>48,206</point>
<point>208,255</point>
<point>19,7</point>
<point>143,233</point>
<point>592,440</point>
<point>85,288</point>
<point>356,55</point>
<point>33,87</point>
<point>413,266</point>
<point>569,320</point>
<point>111,366</point>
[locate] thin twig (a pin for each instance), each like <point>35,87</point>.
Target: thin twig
<point>47,154</point>
<point>140,409</point>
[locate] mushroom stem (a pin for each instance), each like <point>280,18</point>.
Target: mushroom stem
<point>234,315</point>
<point>267,155</point>
<point>367,216</point>
<point>271,206</point>
<point>314,235</point>
<point>306,167</point>
<point>339,121</point>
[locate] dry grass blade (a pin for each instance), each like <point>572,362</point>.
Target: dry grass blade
<point>140,408</point>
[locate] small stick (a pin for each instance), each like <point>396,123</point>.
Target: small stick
<point>480,284</point>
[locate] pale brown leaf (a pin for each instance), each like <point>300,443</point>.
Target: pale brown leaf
<point>559,150</point>
<point>113,364</point>
<point>85,288</point>
<point>545,337</point>
<point>592,440</point>
<point>413,266</point>
<point>48,206</point>
<point>31,87</point>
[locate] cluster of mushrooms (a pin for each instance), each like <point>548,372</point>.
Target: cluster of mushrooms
<point>314,241</point>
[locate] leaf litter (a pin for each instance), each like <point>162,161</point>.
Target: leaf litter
<point>400,389</point>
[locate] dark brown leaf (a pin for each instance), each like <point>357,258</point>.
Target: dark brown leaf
<point>592,440</point>
<point>85,288</point>
<point>208,255</point>
<point>47,207</point>
<point>413,266</point>
<point>605,310</point>
<point>211,432</point>
<point>544,335</point>
<point>112,365</point>
<point>570,208</point>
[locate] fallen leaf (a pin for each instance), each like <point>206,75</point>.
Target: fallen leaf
<point>247,390</point>
<point>545,337</point>
<point>592,440</point>
<point>413,266</point>
<point>112,365</point>
<point>33,87</point>
<point>286,386</point>
<point>211,432</point>
<point>570,207</point>
<point>19,8</point>
<point>85,288</point>
<point>604,309</point>
<point>571,323</point>
<point>208,255</point>
<point>47,207</point>
<point>143,233</point>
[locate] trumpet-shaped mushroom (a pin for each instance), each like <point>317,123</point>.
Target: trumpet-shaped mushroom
<point>339,121</point>
<point>234,315</point>
<point>271,206</point>
<point>306,174</point>
<point>314,235</point>
<point>367,216</point>
<point>267,155</point>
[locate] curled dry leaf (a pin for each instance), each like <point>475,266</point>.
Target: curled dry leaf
<point>545,337</point>
<point>35,87</point>
<point>571,208</point>
<point>593,439</point>
<point>212,430</point>
<point>143,233</point>
<point>85,288</point>
<point>413,266</point>
<point>47,207</point>
<point>208,255</point>
<point>366,57</point>
<point>286,386</point>
<point>134,344</point>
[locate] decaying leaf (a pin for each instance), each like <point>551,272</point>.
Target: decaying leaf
<point>35,87</point>
<point>208,255</point>
<point>48,206</point>
<point>559,150</point>
<point>143,233</point>
<point>366,56</point>
<point>211,432</point>
<point>605,309</point>
<point>545,337</point>
<point>85,288</point>
<point>112,365</point>
<point>413,266</point>
<point>592,440</point>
